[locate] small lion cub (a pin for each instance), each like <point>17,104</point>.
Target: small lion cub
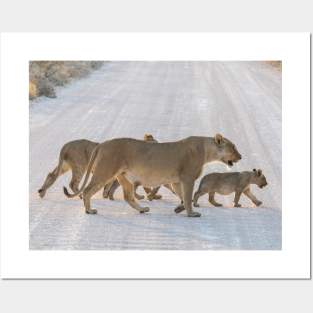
<point>226,183</point>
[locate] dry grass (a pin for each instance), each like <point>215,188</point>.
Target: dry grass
<point>45,75</point>
<point>276,64</point>
<point>32,90</point>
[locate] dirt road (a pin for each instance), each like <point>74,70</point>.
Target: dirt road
<point>171,100</point>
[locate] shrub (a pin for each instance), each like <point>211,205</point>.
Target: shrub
<point>45,75</point>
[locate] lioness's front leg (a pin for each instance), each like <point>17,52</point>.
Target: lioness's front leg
<point>187,188</point>
<point>128,190</point>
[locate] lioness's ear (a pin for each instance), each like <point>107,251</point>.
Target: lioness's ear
<point>254,170</point>
<point>218,138</point>
<point>259,172</point>
<point>146,136</point>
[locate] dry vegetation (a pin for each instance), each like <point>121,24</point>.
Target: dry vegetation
<point>45,75</point>
<point>276,64</point>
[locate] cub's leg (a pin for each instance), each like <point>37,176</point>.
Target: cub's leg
<point>187,187</point>
<point>137,196</point>
<point>212,200</point>
<point>52,177</point>
<point>237,197</point>
<point>252,197</point>
<point>147,190</point>
<point>197,195</point>
<point>178,191</point>
<point>128,190</point>
<point>94,186</point>
<point>153,194</point>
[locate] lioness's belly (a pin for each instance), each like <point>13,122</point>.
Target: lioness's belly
<point>149,179</point>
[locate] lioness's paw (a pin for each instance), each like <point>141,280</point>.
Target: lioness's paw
<point>196,205</point>
<point>179,209</point>
<point>144,210</point>
<point>194,214</point>
<point>238,205</point>
<point>41,193</point>
<point>91,211</point>
<point>258,203</point>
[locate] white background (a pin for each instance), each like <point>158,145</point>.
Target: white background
<point>291,262</point>
<point>154,296</point>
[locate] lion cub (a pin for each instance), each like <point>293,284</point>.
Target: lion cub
<point>226,183</point>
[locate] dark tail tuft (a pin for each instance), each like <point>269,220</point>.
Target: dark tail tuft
<point>66,192</point>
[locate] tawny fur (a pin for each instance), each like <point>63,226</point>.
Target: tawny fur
<point>227,183</point>
<point>154,164</point>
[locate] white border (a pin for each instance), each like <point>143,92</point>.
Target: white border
<point>17,261</point>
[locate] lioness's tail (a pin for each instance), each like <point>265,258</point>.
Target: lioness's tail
<point>89,168</point>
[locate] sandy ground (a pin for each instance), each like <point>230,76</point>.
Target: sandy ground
<point>171,100</point>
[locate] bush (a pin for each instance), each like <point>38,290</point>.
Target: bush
<point>45,75</point>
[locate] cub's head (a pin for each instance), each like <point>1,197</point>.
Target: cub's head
<point>259,178</point>
<point>149,138</point>
<point>226,150</point>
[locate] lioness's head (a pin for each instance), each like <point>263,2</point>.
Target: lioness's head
<point>149,137</point>
<point>226,150</point>
<point>259,178</point>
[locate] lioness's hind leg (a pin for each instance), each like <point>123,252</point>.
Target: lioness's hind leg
<point>51,178</point>
<point>212,200</point>
<point>77,175</point>
<point>89,191</point>
<point>128,190</point>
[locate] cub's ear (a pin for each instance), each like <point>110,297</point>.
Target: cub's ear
<point>259,172</point>
<point>218,139</point>
<point>254,170</point>
<point>146,136</point>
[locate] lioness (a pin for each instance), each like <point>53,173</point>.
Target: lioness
<point>154,164</point>
<point>73,156</point>
<point>110,189</point>
<point>226,183</point>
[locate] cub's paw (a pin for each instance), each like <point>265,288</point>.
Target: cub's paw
<point>196,205</point>
<point>218,204</point>
<point>258,203</point>
<point>238,205</point>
